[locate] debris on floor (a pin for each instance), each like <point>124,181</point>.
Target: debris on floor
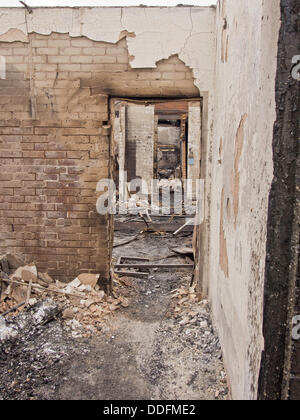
<point>140,267</point>
<point>35,353</point>
<point>188,251</point>
<point>154,331</point>
<point>85,307</point>
<point>182,298</point>
<point>187,359</point>
<point>39,314</point>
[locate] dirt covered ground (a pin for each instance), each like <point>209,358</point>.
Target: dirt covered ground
<point>161,346</point>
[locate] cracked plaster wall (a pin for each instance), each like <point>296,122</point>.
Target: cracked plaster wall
<point>154,33</point>
<point>242,172</point>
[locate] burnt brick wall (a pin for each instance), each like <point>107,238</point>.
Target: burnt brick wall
<point>53,149</point>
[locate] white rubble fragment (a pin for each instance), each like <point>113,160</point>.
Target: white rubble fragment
<point>40,315</point>
<point>74,324</point>
<point>100,294</point>
<point>7,331</point>
<point>85,288</point>
<point>68,314</point>
<point>32,301</point>
<point>89,279</point>
<point>88,302</point>
<point>75,283</point>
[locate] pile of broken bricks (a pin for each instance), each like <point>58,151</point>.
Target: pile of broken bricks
<point>183,301</point>
<point>84,306</point>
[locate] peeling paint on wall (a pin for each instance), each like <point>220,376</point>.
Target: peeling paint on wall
<point>152,34</point>
<point>221,151</point>
<point>13,35</point>
<point>244,116</point>
<point>223,242</point>
<point>239,141</point>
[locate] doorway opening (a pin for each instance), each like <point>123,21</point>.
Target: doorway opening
<point>157,140</point>
<point>155,158</point>
<point>154,248</point>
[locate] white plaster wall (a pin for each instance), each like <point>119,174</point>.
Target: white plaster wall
<point>156,32</point>
<point>241,178</point>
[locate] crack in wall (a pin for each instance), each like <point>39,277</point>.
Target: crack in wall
<point>152,34</point>
<point>190,34</point>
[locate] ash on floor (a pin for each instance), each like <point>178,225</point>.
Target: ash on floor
<point>161,346</point>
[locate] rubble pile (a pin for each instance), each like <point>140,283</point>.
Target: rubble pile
<point>35,353</point>
<point>191,315</point>
<point>188,310</point>
<point>84,306</point>
<point>182,299</point>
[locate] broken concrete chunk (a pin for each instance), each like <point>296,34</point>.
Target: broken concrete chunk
<point>7,331</point>
<point>4,266</point>
<point>124,302</point>
<point>68,289</point>
<point>19,293</point>
<point>93,308</point>
<point>100,294</point>
<point>32,301</point>
<point>14,261</point>
<point>68,313</point>
<point>41,283</point>
<point>89,279</point>
<point>184,321</point>
<point>113,307</point>
<point>75,283</point>
<point>27,273</point>
<point>88,303</point>
<point>45,278</point>
<point>26,322</point>
<point>28,276</point>
<point>85,289</point>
